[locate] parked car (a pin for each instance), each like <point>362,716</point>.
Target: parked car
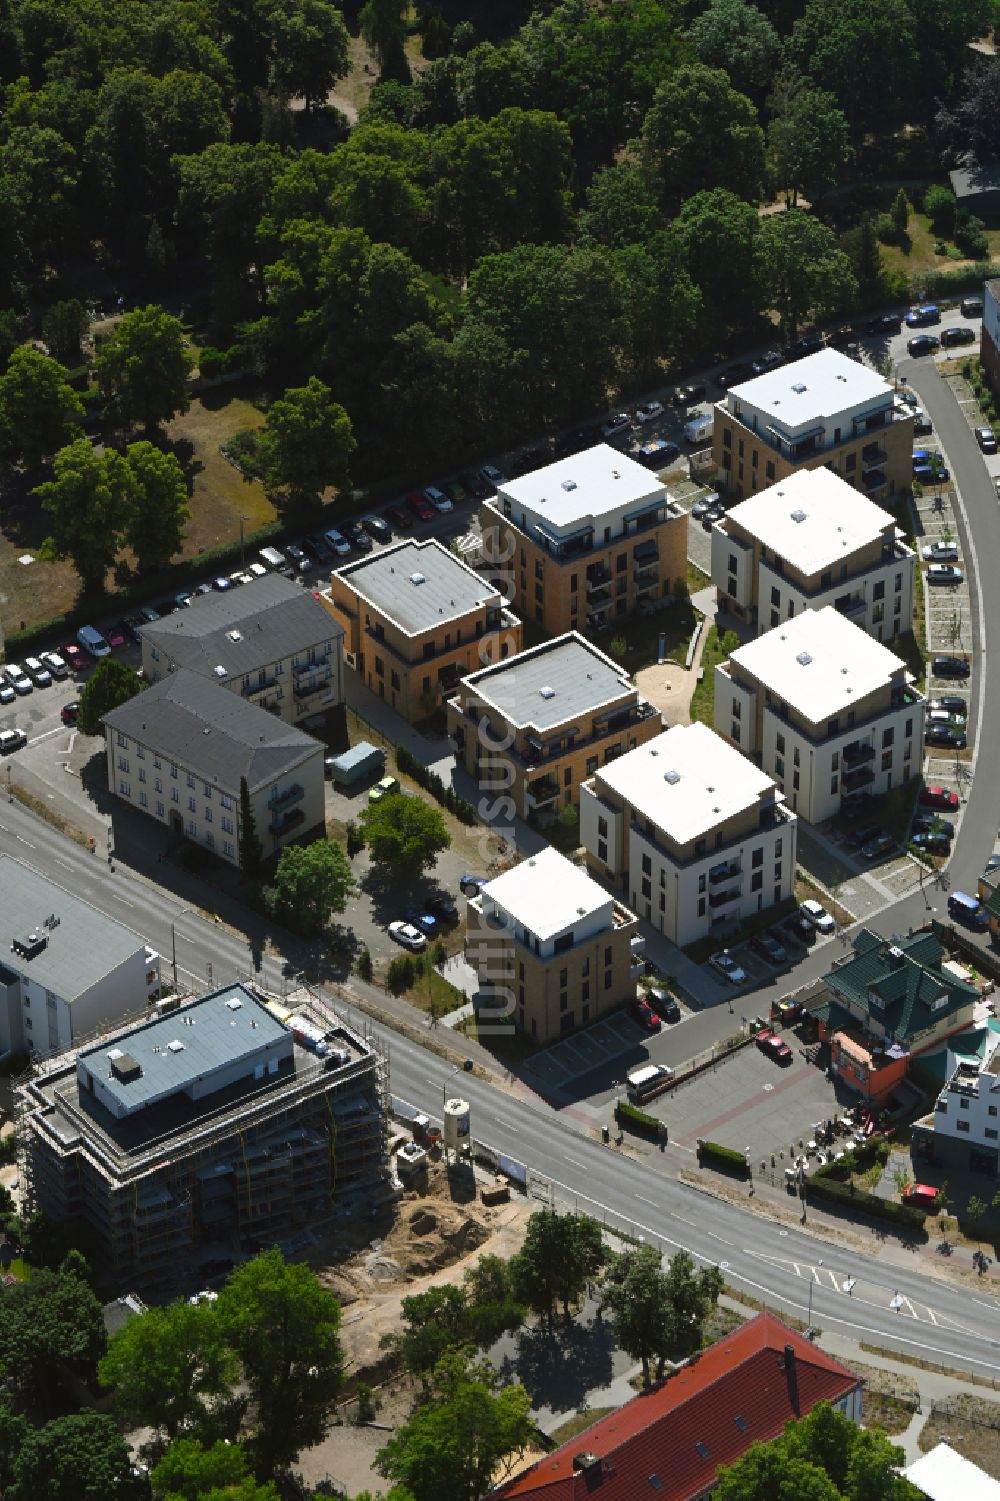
<point>387,787</point>
<point>953,702</point>
<point>649,412</point>
<point>922,344</point>
<point>471,885</point>
<point>663,1003</point>
<point>922,1196</point>
<point>933,823</point>
<point>73,657</point>
<point>940,552</point>
<point>945,716</point>
<point>992,864</point>
<point>971,307</point>
<point>686,396</point>
<point>182,599</point>
<point>863,835</point>
<point>987,439</point>
<point>38,672</point>
<point>444,906</point>
<point>734,375</point>
<point>399,518</point>
<point>645,1016</point>
<point>933,841</point>
<point>944,573</point>
<point>357,536</point>
<point>438,499</point>
<point>938,797</point>
<point>456,492</point>
<point>55,664</point>
<point>945,734</point>
<point>885,323</point>
<point>377,527</point>
<point>768,947</point>
<point>931,474</point>
<point>239,578</point>
<point>18,679</point>
<point>410,937</point>
<point>69,712</point>
<point>657,453</point>
<point>297,558</point>
<point>615,426</point>
<point>426,922</point>
<point>957,335</point>
<point>771,359</point>
<point>706,503</point>
<point>475,484</point>
<point>724,962</point>
<point>815,913</point>
<point>221,583</point>
<point>338,542</point>
<point>920,317</point>
<point>946,666</point>
<point>7,694</point>
<point>319,547</point>
<point>115,636</point>
<point>420,506</point>
<point>711,515</point>
<point>11,740</point>
<point>880,845</point>
<point>493,476</point>
<point>842,338</point>
<point>771,1044</point>
<point>922,424</point>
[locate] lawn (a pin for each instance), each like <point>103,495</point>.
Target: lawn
<point>637,637</point>
<point>717,649</point>
<point>432,993</point>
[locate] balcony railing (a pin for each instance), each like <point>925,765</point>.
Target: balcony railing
<point>728,871</point>
<point>874,479</point>
<point>858,753</point>
<point>857,776</point>
<point>288,798</point>
<point>718,899</point>
<point>851,607</point>
<point>597,574</point>
<point>261,686</point>
<point>539,794</point>
<point>281,823</point>
<point>311,680</point>
<point>598,598</point>
<point>872,455</point>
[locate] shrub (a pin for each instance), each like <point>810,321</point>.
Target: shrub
<point>726,1158</point>
<point>401,974</point>
<point>635,1119</point>
<point>886,230</point>
<point>364,965</point>
<point>366,1403</point>
<point>432,783</point>
<point>354,838</point>
<point>906,1216</point>
<point>940,206</point>
<point>970,238</point>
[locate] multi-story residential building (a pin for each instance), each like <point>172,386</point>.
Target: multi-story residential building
<point>962,1133</point>
<point>180,750</point>
<point>885,1004</point>
<point>229,1122</point>
<point>826,410</point>
<point>809,541</point>
<point>536,725</point>
<point>989,347</point>
<point>67,969</point>
<point>671,1442</point>
<point>696,836</point>
<point>824,709</point>
<point>272,641</point>
<point>584,541</point>
<point>552,949</point>
<point>415,620</point>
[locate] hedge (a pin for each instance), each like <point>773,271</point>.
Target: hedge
<point>723,1157</point>
<point>907,1216</point>
<point>432,783</point>
<point>637,1120</point>
<point>940,283</point>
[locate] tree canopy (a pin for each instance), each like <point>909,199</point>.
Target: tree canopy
<point>821,1457</point>
<point>306,443</point>
<point>170,1369</point>
<point>143,367</point>
<point>38,407</point>
<point>404,834</point>
<point>658,1313</point>
<point>561,1254</point>
<point>111,683</point>
<point>311,882</point>
<point>81,1457</point>
<point>88,501</point>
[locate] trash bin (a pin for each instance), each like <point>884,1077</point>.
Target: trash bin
<point>606,1134</point>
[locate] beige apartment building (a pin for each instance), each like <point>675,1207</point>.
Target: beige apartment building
<point>179,750</point>
<point>534,727</point>
<point>271,641</point>
<point>695,836</point>
<point>553,950</point>
<point>824,710</point>
<point>416,619</point>
<point>585,541</point>
<point>824,411</point>
<point>810,541</point>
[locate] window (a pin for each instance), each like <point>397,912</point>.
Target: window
<point>379,668</point>
<point>140,753</point>
<point>795,781</point>
<point>737,708</point>
<point>887,736</point>
<point>123,740</point>
<point>779,744</point>
<point>190,779</point>
<point>701,906</point>
<point>206,790</point>
<point>776,596</point>
<point>757,880</point>
<point>591,768</point>
<point>175,796</point>
<point>160,810</point>
<point>602,850</point>
<point>227,825</point>
<point>621,585</point>
<point>192,805</point>
<point>647,865</point>
<point>779,766</point>
<point>732,562</point>
<point>990,1133</point>
<point>607,954</point>
<point>143,800</point>
<point>796,759</point>
<point>621,562</point>
<point>173,769</point>
<point>394,680</point>
<point>192,827</point>
<point>887,760</point>
<point>777,849</point>
<point>699,848</point>
<point>909,728</point>
<point>227,849</point>
<point>992,1110</point>
<point>573,583</point>
<point>563,978</point>
<point>963,1104</point>
<point>124,788</point>
<point>757,858</point>
<point>769,470</point>
<point>123,763</point>
<point>852,462</point>
<point>878,590</point>
<point>607,979</point>
<point>158,784</point>
<point>833,726</point>
<point>142,773</point>
<point>702,882</point>
<point>898,584</point>
<point>226,800</point>
<point>834,782</point>
<point>208,815</point>
<point>963,1125</point>
<point>735,732</point>
<point>647,888</point>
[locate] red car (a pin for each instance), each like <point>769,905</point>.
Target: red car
<point>646,1016</point>
<point>69,711</point>
<point>773,1046</point>
<point>420,506</point>
<point>921,1195</point>
<point>114,637</point>
<point>400,518</point>
<point>73,656</point>
<point>938,797</point>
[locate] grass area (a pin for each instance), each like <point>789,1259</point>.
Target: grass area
<point>220,495</point>
<point>434,994</point>
<point>917,254</point>
<point>641,637</point>
<point>717,648</point>
<point>806,889</point>
<point>19,1269</point>
<point>577,1423</point>
<point>511,1048</point>
<point>696,579</point>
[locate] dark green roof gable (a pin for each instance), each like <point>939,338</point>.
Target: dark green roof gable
<point>899,983</point>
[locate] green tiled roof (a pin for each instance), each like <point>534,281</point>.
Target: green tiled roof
<point>991,902</point>
<point>908,986</point>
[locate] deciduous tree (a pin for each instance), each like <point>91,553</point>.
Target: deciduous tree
<point>51,1321</point>
<point>802,270</point>
<point>821,1457</point>
<point>190,1472</point>
<point>155,529</point>
<point>311,48</point>
<point>561,1254</point>
<point>170,1369</point>
<point>404,834</point>
<point>658,1314</point>
<point>808,139</point>
<point>111,683</point>
<point>716,235</point>
<point>864,52</point>
<point>311,881</point>
<point>38,407</point>
<point>89,502</point>
<point>306,443</point>
<point>735,36</point>
<point>971,126</point>
<point>63,329</point>
<point>619,208</point>
<point>143,367</point>
<point>383,26</point>
<point>81,1457</point>
<point>701,133</point>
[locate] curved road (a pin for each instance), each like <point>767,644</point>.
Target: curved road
<point>883,1295</point>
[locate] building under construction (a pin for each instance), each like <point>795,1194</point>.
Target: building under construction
<point>221,1126</point>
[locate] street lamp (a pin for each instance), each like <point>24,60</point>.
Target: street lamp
<point>812,1279</point>
<point>444,1087</point>
<point>173,940</point>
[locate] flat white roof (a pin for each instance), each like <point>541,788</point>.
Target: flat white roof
<point>586,484</point>
<point>687,781</point>
<point>548,894</point>
<point>418,585</point>
<point>814,519</point>
<point>831,382</point>
<point>944,1475</point>
<point>548,685</point>
<point>819,662</point>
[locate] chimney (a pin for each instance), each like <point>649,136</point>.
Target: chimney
<point>585,1460</point>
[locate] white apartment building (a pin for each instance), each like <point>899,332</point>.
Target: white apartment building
<point>66,968</point>
<point>693,834</point>
<point>808,541</point>
<point>823,709</point>
<point>179,751</point>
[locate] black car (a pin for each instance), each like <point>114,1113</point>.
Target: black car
<point>663,1004</point>
<point>771,359</point>
<point>944,734</point>
<point>972,307</point>
<point>950,667</point>
<point>443,906</point>
<point>952,703</point>
<point>297,557</point>
<point>319,547</point>
<point>933,843</point>
<point>769,948</point>
<point>885,323</point>
<point>863,835</point>
<point>922,344</point>
<point>929,823</point>
<point>711,515</point>
<point>378,527</point>
<point>657,453</point>
<point>922,425</point>
<point>842,338</point>
<point>734,375</point>
<point>856,804</point>
<point>686,396</point>
<point>958,336</point>
<point>808,344</point>
<point>357,536</point>
<point>474,483</point>
<point>987,439</point>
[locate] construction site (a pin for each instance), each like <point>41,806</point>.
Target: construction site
<point>227,1122</point>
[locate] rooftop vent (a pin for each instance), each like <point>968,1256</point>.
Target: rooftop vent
<point>417,578</point>
<point>803,659</point>
<point>742,1423</point>
<point>673,777</point>
<point>547,692</point>
<point>702,1448</point>
<point>175,1046</point>
<point>569,484</point>
<point>798,515</point>
<point>124,1067</point>
<point>234,1004</point>
<point>843,378</point>
<point>615,474</point>
<point>895,956</point>
<point>218,671</point>
<point>235,635</point>
<point>798,387</point>
<point>656,1482</point>
<point>585,1460</point>
<point>29,945</point>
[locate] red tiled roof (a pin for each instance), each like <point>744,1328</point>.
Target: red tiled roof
<point>668,1444</point>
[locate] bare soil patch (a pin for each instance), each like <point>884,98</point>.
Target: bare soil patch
<point>971,1425</point>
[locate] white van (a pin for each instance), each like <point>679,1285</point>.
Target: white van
<point>92,641</point>
<point>700,428</point>
<point>643,1083</point>
<point>272,558</point>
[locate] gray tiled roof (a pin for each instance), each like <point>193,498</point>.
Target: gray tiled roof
<point>82,948</point>
<point>275,618</point>
<point>419,585</point>
<point>211,731</point>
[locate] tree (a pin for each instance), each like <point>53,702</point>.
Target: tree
<point>715,235</point>
<point>808,139</point>
<point>560,1256</point>
<point>492,1307</point>
<point>941,207</point>
<point>251,851</point>
<point>143,367</point>
<point>702,133</point>
<point>619,208</point>
<point>306,443</point>
<point>971,127</point>
<point>658,1314</point>
<point>190,1472</point>
<point>434,1322</point>
<point>311,49</point>
<point>283,1326</point>
<point>38,407</point>
<point>111,683</point>
<point>310,882</point>
<point>802,270</point>
<point>383,26</point>
<point>404,834</point>
<point>89,501</point>
<point>169,1369</point>
<point>456,1443</point>
<point>734,36</point>
<point>63,329</point>
<point>862,249</point>
<point>900,213</point>
<point>155,529</point>
<point>53,1320</point>
<point>864,52</point>
<point>821,1457</point>
<point>81,1457</point>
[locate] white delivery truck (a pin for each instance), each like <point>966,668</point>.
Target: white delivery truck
<point>700,428</point>
<point>649,1080</point>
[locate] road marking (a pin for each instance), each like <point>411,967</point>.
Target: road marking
<point>64,863</point>
<point>21,840</point>
<point>568,1158</point>
<point>642,1200</point>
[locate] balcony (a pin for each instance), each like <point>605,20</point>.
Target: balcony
<point>262,685</point>
<point>858,753</point>
<point>729,870</point>
<point>717,900</point>
<point>646,578</point>
<point>282,823</point>
<point>541,793</point>
<point>873,455</point>
<point>309,680</point>
<point>597,575</point>
<point>286,799</point>
<point>857,777</point>
<point>598,599</point>
<point>874,479</point>
<point>851,607</point>
<point>637,944</point>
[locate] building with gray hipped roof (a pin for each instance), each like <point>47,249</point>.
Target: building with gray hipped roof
<point>272,641</point>
<point>65,967</point>
<point>180,750</point>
